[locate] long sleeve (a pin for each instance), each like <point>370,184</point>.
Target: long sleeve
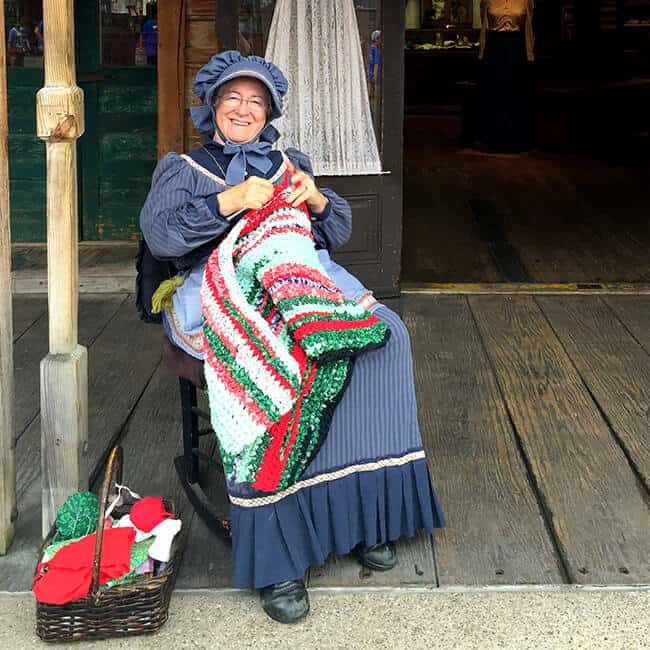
<point>530,34</point>
<point>332,228</point>
<point>176,217</point>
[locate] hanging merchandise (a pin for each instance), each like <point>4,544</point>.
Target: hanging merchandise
<point>327,113</point>
<point>413,14</point>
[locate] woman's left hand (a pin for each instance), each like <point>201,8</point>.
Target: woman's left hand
<point>306,192</point>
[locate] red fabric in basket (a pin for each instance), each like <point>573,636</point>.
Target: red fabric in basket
<point>67,576</point>
<point>148,512</point>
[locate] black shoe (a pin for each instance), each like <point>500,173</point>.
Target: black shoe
<point>379,557</point>
<point>285,602</point>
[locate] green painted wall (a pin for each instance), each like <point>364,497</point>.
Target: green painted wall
<point>117,153</point>
<point>26,156</point>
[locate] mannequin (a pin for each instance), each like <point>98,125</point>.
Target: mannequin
<point>507,46</point>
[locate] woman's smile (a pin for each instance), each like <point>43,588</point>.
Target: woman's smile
<point>241,109</point>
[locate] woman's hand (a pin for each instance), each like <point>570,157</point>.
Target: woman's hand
<point>306,192</point>
<point>252,194</point>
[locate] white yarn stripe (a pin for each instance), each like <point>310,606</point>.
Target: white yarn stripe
<point>226,408</point>
<point>317,308</point>
<point>248,312</point>
<point>221,323</point>
<point>325,478</point>
<point>281,218</point>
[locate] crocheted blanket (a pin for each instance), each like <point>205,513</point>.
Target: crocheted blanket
<point>280,339</point>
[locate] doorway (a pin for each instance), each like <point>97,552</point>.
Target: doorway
<point>572,209</point>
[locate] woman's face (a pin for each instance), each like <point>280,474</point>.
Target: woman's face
<point>240,109</point>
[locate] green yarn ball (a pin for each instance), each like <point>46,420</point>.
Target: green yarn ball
<point>77,516</point>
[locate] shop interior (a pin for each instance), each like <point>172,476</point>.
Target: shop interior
<point>571,205</point>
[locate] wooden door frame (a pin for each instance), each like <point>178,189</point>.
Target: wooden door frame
<point>392,129</point>
<point>385,189</point>
<point>171,75</point>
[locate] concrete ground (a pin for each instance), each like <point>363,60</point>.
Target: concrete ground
<point>521,618</point>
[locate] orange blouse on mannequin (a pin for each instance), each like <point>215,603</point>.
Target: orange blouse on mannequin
<point>508,16</point>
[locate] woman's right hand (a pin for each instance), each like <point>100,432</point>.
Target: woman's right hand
<point>252,194</point>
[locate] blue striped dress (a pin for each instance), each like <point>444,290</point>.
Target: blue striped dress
<point>369,482</point>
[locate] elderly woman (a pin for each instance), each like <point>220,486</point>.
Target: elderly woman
<point>368,484</point>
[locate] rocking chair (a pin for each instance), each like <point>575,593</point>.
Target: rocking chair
<point>189,464</point>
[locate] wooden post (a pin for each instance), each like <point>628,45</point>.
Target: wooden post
<point>64,371</point>
<point>7,433</point>
<point>171,76</point>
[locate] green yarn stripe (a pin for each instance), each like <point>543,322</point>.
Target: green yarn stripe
<point>273,361</point>
<point>240,374</point>
<point>328,383</point>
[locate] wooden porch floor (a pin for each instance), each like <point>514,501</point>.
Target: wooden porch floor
<point>535,411</point>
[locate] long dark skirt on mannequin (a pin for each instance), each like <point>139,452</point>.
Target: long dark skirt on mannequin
<point>505,94</point>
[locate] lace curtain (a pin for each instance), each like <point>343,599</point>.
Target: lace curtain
<point>327,112</point>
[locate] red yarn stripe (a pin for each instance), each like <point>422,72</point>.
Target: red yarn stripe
<point>234,387</point>
<point>305,330</point>
<point>273,464</point>
<point>218,289</point>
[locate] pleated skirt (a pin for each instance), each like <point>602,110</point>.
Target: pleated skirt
<point>369,482</point>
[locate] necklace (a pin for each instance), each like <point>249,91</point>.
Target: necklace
<point>215,161</point>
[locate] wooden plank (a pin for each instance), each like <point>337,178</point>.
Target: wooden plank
<point>171,72</point>
<point>226,22</point>
<point>123,360</point>
<point>152,439</point>
<point>7,443</point>
<point>612,364</point>
<point>193,138</point>
<point>415,567</point>
<point>190,96</point>
<point>634,312</point>
<point>94,313</point>
<point>16,568</point>
<point>200,41</point>
<point>495,532</point>
<point>592,499</point>
<point>103,282</point>
<point>201,8</point>
<point>26,311</point>
<point>207,563</point>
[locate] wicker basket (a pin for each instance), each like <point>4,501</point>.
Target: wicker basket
<point>137,607</point>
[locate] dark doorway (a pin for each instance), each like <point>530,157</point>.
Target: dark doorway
<point>573,209</point>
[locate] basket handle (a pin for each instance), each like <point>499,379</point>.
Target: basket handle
<point>114,467</point>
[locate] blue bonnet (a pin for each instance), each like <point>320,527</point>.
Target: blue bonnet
<point>225,67</point>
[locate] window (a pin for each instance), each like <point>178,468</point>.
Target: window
<point>129,33</point>
<point>256,16</point>
<point>24,37</point>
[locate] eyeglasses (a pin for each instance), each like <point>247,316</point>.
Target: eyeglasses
<point>233,100</point>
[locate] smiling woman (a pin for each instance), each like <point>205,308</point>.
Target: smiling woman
<point>240,110</point>
<point>368,484</point>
